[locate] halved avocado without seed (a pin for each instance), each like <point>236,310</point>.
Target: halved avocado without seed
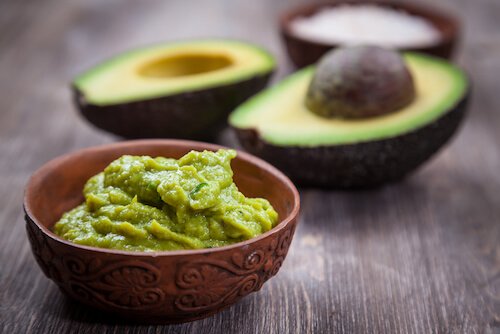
<point>175,90</point>
<point>348,153</point>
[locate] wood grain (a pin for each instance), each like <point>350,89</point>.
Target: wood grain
<point>422,256</point>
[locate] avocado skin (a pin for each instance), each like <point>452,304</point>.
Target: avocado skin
<point>199,114</point>
<point>361,165</point>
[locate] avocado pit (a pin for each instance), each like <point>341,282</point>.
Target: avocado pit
<point>360,82</point>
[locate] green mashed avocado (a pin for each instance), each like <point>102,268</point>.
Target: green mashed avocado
<point>140,203</point>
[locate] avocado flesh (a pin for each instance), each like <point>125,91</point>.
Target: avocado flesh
<point>171,69</point>
<point>280,117</point>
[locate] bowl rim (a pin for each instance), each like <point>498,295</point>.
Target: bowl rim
<point>192,145</point>
<point>423,11</point>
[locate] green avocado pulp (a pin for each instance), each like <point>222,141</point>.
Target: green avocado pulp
<point>140,203</point>
<point>280,117</point>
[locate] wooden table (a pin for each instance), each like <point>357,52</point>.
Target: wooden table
<point>421,256</point>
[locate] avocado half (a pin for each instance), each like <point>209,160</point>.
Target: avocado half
<point>351,153</point>
<point>176,90</point>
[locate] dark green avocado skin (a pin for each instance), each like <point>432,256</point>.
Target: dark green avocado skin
<point>197,115</point>
<point>360,165</point>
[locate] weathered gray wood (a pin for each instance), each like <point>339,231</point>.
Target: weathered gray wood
<point>422,256</point>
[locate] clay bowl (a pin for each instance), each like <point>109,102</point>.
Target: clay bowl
<point>155,287</point>
<point>304,52</point>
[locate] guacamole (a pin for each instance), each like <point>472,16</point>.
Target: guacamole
<point>140,203</point>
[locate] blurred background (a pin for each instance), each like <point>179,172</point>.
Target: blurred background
<point>45,44</point>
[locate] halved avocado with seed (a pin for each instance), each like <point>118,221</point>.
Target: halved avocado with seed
<point>345,151</point>
<point>176,90</point>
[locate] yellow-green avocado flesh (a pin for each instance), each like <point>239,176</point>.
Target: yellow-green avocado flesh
<point>280,117</point>
<point>140,203</point>
<point>173,68</point>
